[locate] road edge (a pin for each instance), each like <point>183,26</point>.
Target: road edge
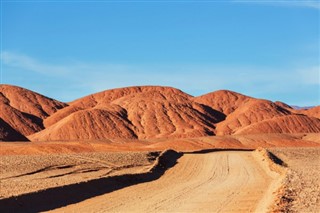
<point>277,170</point>
<point>56,197</point>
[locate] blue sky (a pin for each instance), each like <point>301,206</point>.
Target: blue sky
<point>68,49</point>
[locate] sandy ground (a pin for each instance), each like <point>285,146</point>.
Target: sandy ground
<point>179,144</point>
<point>226,181</point>
<point>21,174</point>
<point>215,182</point>
<point>301,192</point>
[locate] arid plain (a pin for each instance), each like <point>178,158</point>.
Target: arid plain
<point>157,149</point>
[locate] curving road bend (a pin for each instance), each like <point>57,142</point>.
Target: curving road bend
<point>229,181</point>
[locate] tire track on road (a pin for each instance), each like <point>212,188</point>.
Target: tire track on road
<point>226,181</point>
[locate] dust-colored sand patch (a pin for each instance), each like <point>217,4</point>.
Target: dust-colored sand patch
<point>21,174</point>
<point>160,144</point>
<point>301,191</point>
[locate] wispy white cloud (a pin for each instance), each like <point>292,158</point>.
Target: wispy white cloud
<point>101,76</point>
<point>310,75</point>
<point>25,62</point>
<point>89,77</point>
<point>312,4</point>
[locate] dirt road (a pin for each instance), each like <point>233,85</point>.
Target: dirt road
<point>227,181</point>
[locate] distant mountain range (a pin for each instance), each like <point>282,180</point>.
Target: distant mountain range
<point>146,112</point>
<point>302,107</point>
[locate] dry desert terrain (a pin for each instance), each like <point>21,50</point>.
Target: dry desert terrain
<point>95,177</point>
<point>157,149</point>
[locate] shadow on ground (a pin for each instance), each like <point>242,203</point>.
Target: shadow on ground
<point>53,198</point>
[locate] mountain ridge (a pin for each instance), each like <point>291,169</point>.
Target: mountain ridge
<point>146,112</point>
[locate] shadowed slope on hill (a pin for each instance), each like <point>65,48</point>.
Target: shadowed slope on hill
<point>30,102</point>
<point>7,133</point>
<point>24,110</point>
